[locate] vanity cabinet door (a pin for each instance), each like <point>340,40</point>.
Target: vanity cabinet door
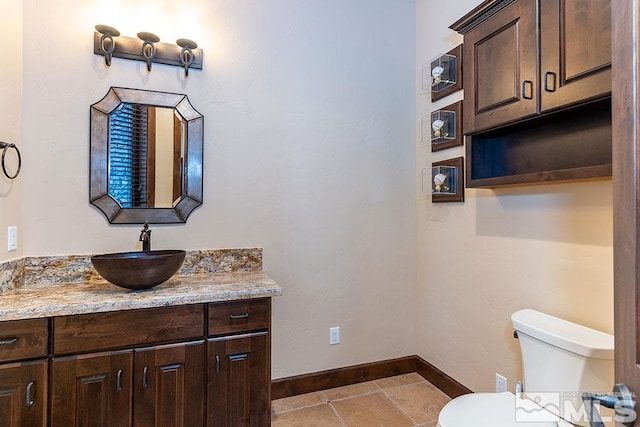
<point>23,394</point>
<point>238,381</point>
<point>169,385</point>
<point>575,51</point>
<point>92,390</point>
<point>501,68</point>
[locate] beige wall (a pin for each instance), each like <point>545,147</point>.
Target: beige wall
<point>544,247</point>
<point>10,126</point>
<point>309,129</point>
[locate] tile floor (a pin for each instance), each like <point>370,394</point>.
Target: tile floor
<point>403,400</point>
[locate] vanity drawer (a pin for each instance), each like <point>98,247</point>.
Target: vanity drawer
<point>239,316</point>
<point>23,339</point>
<point>129,328</point>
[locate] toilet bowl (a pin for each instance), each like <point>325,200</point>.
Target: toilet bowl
<point>560,360</point>
<point>485,410</point>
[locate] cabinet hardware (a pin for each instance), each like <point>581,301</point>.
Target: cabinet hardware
<point>217,365</point>
<point>546,81</point>
<point>29,394</point>
<point>240,356</point>
<point>8,341</point>
<point>144,377</point>
<point>239,316</point>
<point>119,381</point>
<point>527,94</point>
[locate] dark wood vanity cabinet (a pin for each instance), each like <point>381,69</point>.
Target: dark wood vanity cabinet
<point>239,365</point>
<point>92,389</point>
<point>510,75</point>
<point>169,387</point>
<point>181,366</point>
<point>23,394</point>
<point>23,373</point>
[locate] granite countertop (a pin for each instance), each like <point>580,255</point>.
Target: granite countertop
<point>62,299</point>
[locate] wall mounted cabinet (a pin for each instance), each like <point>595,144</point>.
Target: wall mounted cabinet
<point>537,91</point>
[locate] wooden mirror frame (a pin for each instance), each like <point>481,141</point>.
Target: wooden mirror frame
<point>99,158</point>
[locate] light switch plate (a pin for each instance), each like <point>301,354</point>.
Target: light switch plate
<point>12,238</point>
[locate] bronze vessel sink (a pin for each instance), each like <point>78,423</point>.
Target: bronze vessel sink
<point>138,270</point>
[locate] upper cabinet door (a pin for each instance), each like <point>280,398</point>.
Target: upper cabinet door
<point>500,63</point>
<point>575,51</point>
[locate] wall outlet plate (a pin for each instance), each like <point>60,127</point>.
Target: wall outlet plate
<point>334,335</point>
<point>501,383</point>
<point>12,238</point>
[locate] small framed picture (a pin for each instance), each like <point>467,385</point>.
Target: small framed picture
<point>447,182</point>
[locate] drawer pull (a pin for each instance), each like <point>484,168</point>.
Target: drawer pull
<point>8,341</point>
<point>119,381</point>
<point>239,316</point>
<point>29,395</point>
<point>144,377</point>
<point>217,365</point>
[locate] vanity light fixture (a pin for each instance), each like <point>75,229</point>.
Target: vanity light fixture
<point>107,44</point>
<point>186,54</point>
<point>146,48</point>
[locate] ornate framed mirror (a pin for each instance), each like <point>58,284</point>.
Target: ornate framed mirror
<point>146,156</point>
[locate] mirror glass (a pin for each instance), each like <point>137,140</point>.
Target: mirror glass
<point>146,156</point>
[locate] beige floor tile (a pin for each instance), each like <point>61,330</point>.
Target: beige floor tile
<point>313,416</point>
<point>420,401</point>
<point>399,380</point>
<point>351,390</point>
<point>371,410</point>
<point>297,402</point>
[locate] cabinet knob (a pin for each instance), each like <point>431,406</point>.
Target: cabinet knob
<point>547,86</point>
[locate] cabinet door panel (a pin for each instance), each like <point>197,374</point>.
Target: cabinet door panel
<point>575,51</point>
<point>23,394</point>
<point>92,390</point>
<point>238,389</point>
<point>500,62</point>
<point>170,385</point>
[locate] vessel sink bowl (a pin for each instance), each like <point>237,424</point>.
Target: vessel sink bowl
<point>138,270</point>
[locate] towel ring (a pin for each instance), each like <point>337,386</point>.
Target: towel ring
<point>5,147</point>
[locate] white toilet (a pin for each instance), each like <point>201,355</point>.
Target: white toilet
<point>560,359</point>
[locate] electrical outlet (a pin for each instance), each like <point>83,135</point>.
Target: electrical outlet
<point>334,335</point>
<point>12,238</point>
<point>501,383</point>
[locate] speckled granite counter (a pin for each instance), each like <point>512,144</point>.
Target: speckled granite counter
<point>206,276</point>
<point>100,296</point>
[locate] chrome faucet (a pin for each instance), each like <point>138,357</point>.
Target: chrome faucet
<point>145,237</point>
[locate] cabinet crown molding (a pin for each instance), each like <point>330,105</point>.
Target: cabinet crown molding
<point>478,15</point>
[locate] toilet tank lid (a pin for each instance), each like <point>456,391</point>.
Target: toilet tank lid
<point>561,333</point>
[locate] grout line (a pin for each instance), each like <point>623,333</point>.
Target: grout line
<point>415,423</point>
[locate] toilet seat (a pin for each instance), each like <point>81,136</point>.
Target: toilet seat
<point>485,410</point>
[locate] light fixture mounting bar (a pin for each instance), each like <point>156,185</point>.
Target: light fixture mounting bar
<point>131,48</point>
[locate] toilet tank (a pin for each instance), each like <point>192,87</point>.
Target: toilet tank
<point>561,356</point>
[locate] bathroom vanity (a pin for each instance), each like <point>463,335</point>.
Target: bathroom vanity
<point>193,351</point>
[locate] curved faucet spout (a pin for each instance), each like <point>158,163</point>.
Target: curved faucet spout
<point>145,237</point>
